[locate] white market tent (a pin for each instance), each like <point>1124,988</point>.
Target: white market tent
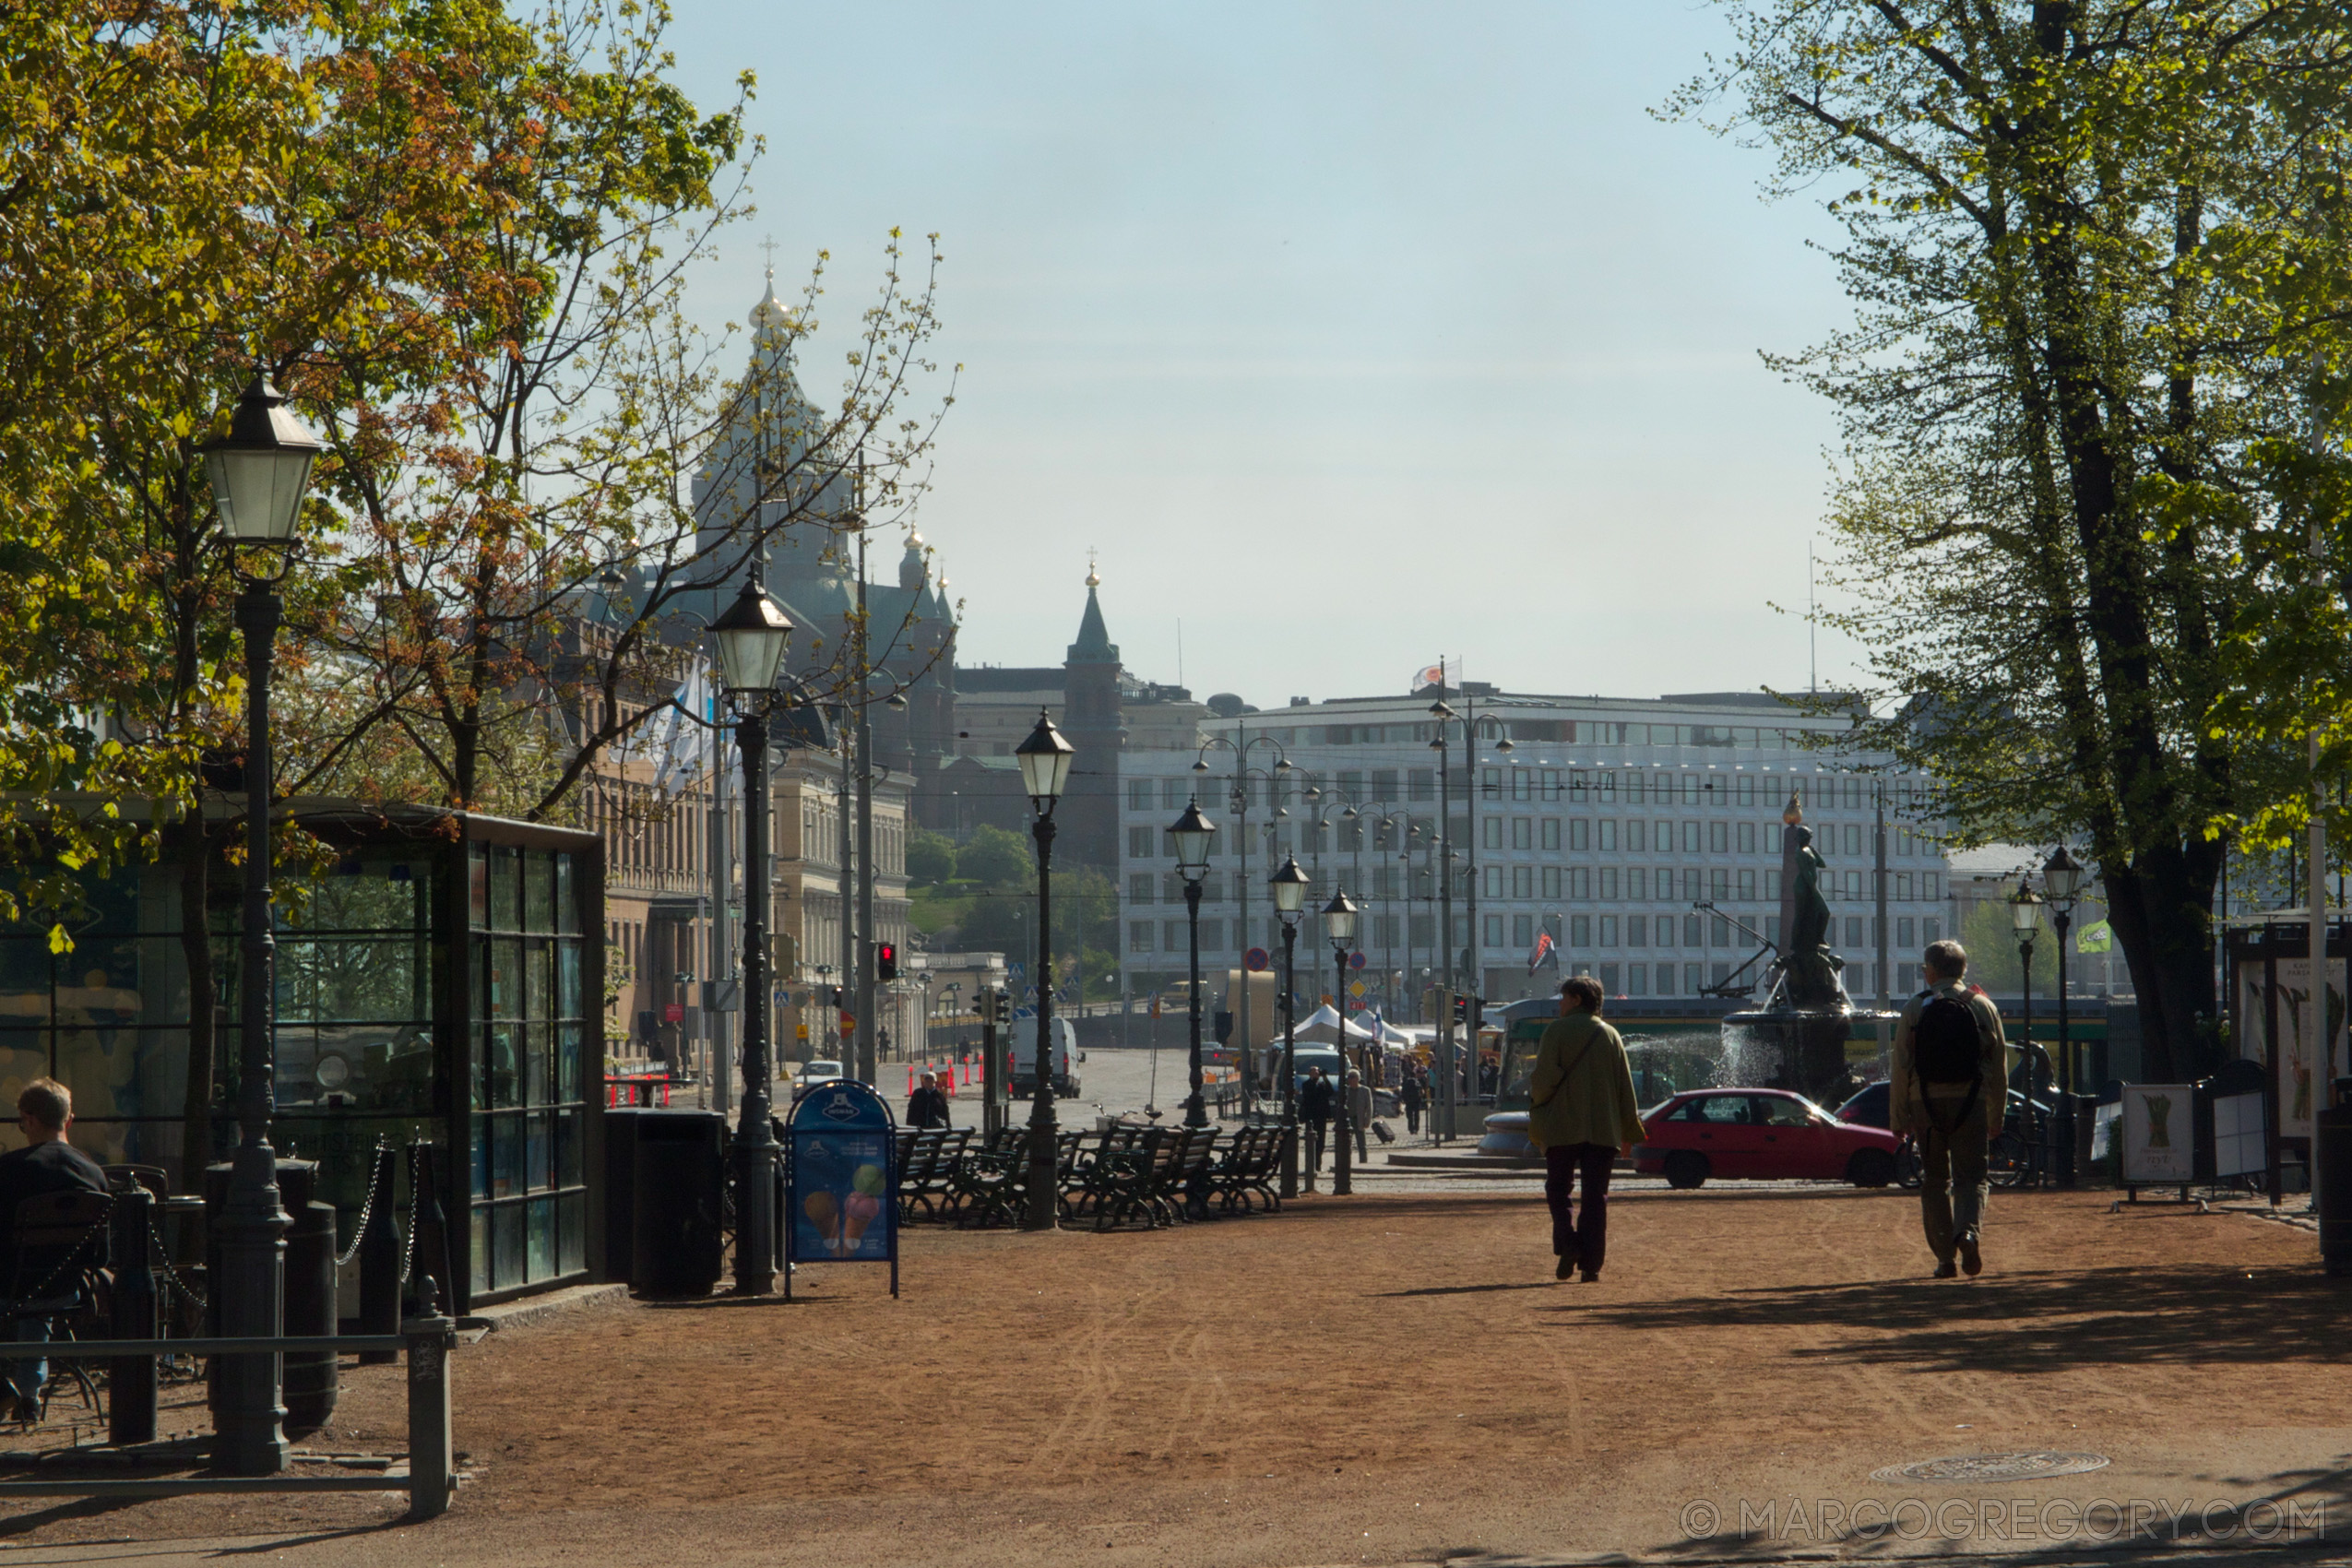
<point>1323,1026</point>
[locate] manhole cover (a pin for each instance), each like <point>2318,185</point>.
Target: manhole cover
<point>2027,1465</point>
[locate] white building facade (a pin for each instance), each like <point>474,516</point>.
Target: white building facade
<point>1599,822</point>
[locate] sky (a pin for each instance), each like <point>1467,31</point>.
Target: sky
<point>1348,335</point>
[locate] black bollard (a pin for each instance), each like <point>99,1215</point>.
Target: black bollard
<point>380,1262</point>
<point>430,1244</point>
<point>310,1378</point>
<point>131,1380</point>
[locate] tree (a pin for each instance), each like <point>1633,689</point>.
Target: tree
<point>996,858</point>
<point>931,857</point>
<point>2075,282</point>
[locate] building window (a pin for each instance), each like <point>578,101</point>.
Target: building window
<point>1580,833</point>
<point>1747,838</point>
<point>1139,892</point>
<point>1690,933</point>
<point>1930,930</point>
<point>1772,929</point>
<point>1520,787</point>
<point>1608,931</point>
<point>1493,834</point>
<point>1494,881</point>
<point>1580,930</point>
<point>1637,930</point>
<point>1609,884</point>
<point>1907,977</point>
<point>1853,933</point>
<point>1903,886</point>
<point>1212,935</point>
<point>1772,885</point>
<point>1580,884</point>
<point>1718,837</point>
<point>1691,981</point>
<point>1747,885</point>
<point>1637,835</point>
<point>1605,788</point>
<point>1747,788</point>
<point>1904,928</point>
<point>1422,782</point>
<point>1551,882</point>
<point>1853,840</point>
<point>1139,935</point>
<point>1490,783</point>
<point>1638,883</point>
<point>1722,973</point>
<point>1522,932</point>
<point>1423,931</point>
<point>1719,883</point>
<point>1523,833</point>
<point>1140,845</point>
<point>1523,882</point>
<point>1689,789</point>
<point>1926,887</point>
<point>1719,932</point>
<point>1551,834</point>
<point>1853,884</point>
<point>1638,979</point>
<point>1664,926</point>
<point>1690,837</point>
<point>1608,834</point>
<point>1493,924</point>
<point>1139,795</point>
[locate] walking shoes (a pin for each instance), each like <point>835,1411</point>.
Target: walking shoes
<point>1972,1262</point>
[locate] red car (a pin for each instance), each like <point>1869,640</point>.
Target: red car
<point>1759,1133</point>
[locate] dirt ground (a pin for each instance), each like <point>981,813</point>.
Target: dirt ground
<point>1379,1379</point>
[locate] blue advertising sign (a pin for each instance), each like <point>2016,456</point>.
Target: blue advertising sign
<point>841,1179</point>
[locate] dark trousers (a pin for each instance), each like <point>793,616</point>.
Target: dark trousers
<point>1584,1237</point>
<point>1316,1132</point>
<point>1413,1117</point>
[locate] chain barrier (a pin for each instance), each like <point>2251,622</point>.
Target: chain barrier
<point>97,1229</point>
<point>367,1209</point>
<point>409,1251</point>
<point>172,1275</point>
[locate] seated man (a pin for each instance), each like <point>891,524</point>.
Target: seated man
<point>47,1164</point>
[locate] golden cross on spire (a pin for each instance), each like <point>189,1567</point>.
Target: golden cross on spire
<point>768,244</point>
<point>1094,578</point>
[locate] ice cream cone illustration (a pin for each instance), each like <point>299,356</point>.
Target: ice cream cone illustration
<point>858,1210</point>
<point>825,1213</point>
<point>2159,1121</point>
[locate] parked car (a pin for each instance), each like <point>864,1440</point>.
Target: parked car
<point>812,1074</point>
<point>1759,1135</point>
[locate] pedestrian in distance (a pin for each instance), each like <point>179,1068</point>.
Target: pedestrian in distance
<point>1950,1090</point>
<point>1581,1112</point>
<point>1408,1095</point>
<point>1318,1101</point>
<point>1359,1113</point>
<point>927,1106</point>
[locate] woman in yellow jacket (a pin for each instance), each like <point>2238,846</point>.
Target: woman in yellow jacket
<point>1581,1113</point>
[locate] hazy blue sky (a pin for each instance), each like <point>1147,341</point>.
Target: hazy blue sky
<point>1349,334</point>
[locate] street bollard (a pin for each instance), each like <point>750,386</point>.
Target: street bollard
<point>380,1264</point>
<point>131,1380</point>
<point>432,1474</point>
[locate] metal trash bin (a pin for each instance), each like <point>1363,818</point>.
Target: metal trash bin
<point>2332,1130</point>
<point>680,1179</point>
<point>308,1379</point>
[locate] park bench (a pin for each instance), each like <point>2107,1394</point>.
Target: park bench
<point>1248,1170</point>
<point>1195,1166</point>
<point>990,1185</point>
<point>927,1176</point>
<point>1098,1163</point>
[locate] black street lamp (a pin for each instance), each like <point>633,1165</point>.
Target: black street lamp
<point>1339,924</point>
<point>751,635</point>
<point>1045,772</point>
<point>1193,833</point>
<point>1289,885</point>
<point>260,471</point>
<point>2025,918</point>
<point>2062,882</point>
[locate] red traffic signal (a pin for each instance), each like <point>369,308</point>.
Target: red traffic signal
<point>885,960</point>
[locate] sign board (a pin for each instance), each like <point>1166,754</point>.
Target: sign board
<point>2301,1034</point>
<point>723,995</point>
<point>2239,1147</point>
<point>1256,958</point>
<point>2159,1135</point>
<point>800,1031</point>
<point>841,1179</point>
<point>1355,960</point>
<point>673,1012</point>
<point>848,1022</point>
<point>1356,989</point>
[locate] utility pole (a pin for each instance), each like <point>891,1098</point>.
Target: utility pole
<point>723,959</point>
<point>869,1035</point>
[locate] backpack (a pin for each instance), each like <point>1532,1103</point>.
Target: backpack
<point>1945,1047</point>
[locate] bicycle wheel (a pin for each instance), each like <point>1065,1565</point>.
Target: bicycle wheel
<point>2009,1163</point>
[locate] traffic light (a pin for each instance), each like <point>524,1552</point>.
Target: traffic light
<point>885,960</point>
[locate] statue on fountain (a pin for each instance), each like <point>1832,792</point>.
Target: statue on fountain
<point>1810,966</point>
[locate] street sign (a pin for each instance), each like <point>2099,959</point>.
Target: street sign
<point>848,1022</point>
<point>1256,959</point>
<point>800,1031</point>
<point>1355,960</point>
<point>673,1012</point>
<point>1356,989</point>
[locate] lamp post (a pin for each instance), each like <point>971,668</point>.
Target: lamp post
<point>751,635</point>
<point>1239,800</point>
<point>1193,833</point>
<point>1289,885</point>
<point>1442,1109</point>
<point>2025,918</point>
<point>258,472</point>
<point>1339,925</point>
<point>2061,882</point>
<point>1044,759</point>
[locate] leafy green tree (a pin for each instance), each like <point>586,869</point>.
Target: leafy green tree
<point>931,857</point>
<point>994,857</point>
<point>2071,232</point>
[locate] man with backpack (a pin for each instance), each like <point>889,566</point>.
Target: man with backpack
<point>1950,1091</point>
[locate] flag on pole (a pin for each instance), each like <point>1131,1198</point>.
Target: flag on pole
<point>2096,937</point>
<point>681,745</point>
<point>1545,947</point>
